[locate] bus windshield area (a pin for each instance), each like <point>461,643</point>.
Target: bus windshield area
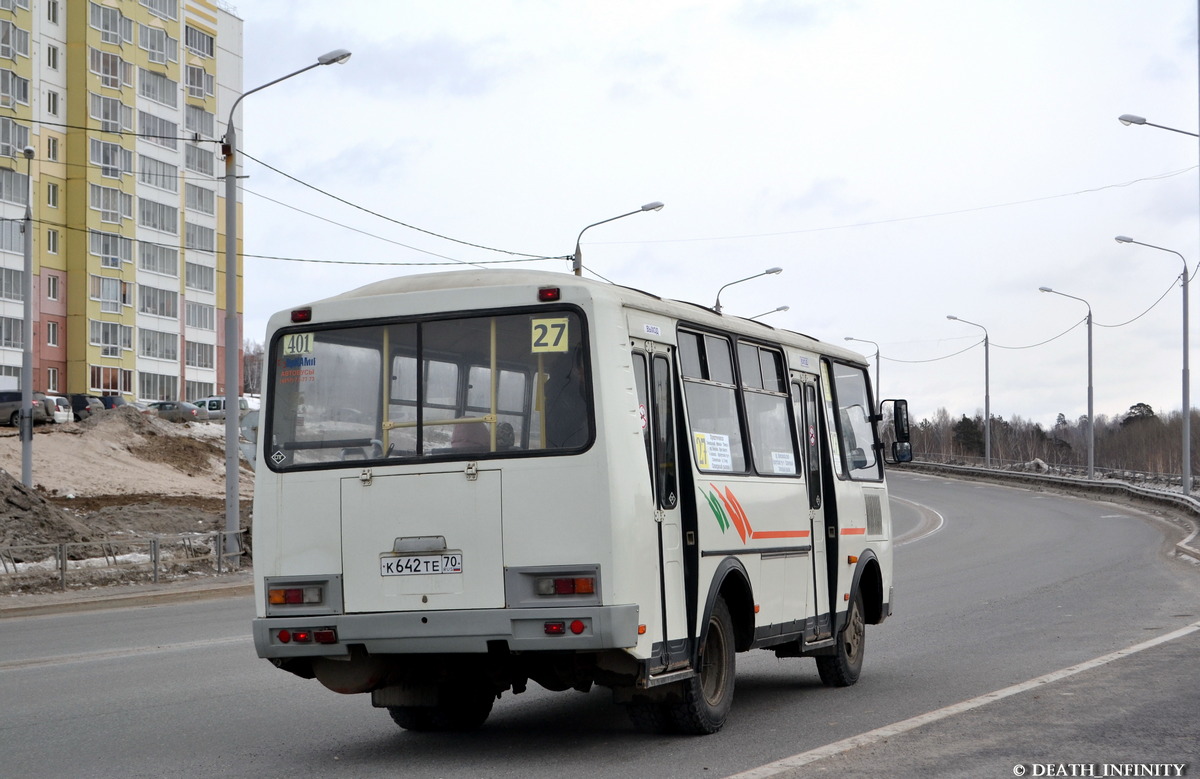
<point>453,388</point>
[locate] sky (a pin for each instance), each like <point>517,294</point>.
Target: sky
<point>901,162</point>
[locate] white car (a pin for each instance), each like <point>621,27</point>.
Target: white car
<point>62,409</point>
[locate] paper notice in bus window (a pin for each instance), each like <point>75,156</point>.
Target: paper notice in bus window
<point>712,452</point>
<point>783,462</point>
<point>549,335</point>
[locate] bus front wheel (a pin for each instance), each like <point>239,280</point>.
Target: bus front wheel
<point>842,668</point>
<point>708,696</point>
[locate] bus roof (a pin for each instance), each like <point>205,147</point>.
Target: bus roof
<point>682,310</point>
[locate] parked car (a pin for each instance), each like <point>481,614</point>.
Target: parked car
<point>248,436</point>
<point>10,407</point>
<point>85,405</point>
<point>113,401</point>
<point>62,411</point>
<point>216,406</point>
<point>179,411</point>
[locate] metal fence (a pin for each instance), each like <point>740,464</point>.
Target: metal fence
<point>112,560</point>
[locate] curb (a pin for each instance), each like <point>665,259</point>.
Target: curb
<point>237,585</point>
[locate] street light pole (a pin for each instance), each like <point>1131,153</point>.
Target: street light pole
<point>26,418</point>
<point>1128,119</point>
<point>987,396</point>
<point>232,335</point>
<point>1186,466</point>
<point>865,341</point>
<point>767,272</point>
<point>577,260</point>
<point>1091,418</point>
<point>772,311</point>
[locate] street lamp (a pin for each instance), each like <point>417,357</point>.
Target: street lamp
<point>26,418</point>
<point>865,341</point>
<point>1091,427</point>
<point>232,337</point>
<point>1128,119</point>
<point>1186,467</point>
<point>772,311</point>
<point>987,397</point>
<point>767,272</point>
<point>577,260</point>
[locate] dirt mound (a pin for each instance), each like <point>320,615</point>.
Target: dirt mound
<point>117,473</point>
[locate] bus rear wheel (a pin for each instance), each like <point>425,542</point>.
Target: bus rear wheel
<point>457,710</point>
<point>708,696</point>
<point>842,668</point>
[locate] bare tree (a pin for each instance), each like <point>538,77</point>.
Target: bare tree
<point>252,366</point>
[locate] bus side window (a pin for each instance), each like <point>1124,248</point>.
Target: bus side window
<point>805,406</point>
<point>643,397</point>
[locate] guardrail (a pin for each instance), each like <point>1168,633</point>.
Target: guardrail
<point>133,558</point>
<point>1186,507</point>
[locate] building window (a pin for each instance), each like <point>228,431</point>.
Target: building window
<point>201,316</point>
<point>14,188</point>
<point>111,337</point>
<point>199,41</point>
<point>158,131</point>
<point>52,380</point>
<point>162,47</point>
<point>14,138</point>
<point>52,11</point>
<point>11,333</point>
<point>200,199</point>
<point>112,159</point>
<point>52,241</point>
<point>51,194</point>
<point>199,355</point>
<point>200,277</point>
<point>111,293</point>
<point>51,333</point>
<point>112,249</point>
<point>51,287</point>
<point>52,149</point>
<point>113,204</point>
<point>199,83</point>
<point>158,216</point>
<point>157,258</point>
<point>114,27</point>
<point>164,9</point>
<point>113,115</point>
<point>199,389</point>
<point>113,71</point>
<point>199,160</point>
<point>155,386</point>
<point>157,87</point>
<point>200,238</point>
<point>111,380</point>
<point>197,120</point>
<point>158,174</point>
<point>13,89</point>
<point>12,284</point>
<point>157,344</point>
<point>158,302</point>
<point>14,41</point>
<point>52,102</point>
<point>52,57</point>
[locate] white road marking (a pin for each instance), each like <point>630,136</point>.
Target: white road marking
<point>88,657</point>
<point>888,731</point>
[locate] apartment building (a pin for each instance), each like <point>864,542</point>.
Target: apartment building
<point>122,103</point>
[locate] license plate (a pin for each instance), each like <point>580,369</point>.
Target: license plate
<point>421,564</point>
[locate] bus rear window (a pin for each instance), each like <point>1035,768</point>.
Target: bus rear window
<point>467,387</point>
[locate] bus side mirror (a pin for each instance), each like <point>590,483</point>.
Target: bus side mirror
<point>901,452</point>
<point>901,445</point>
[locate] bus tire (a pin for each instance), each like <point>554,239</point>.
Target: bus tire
<point>649,716</point>
<point>708,696</point>
<point>842,668</point>
<point>459,710</point>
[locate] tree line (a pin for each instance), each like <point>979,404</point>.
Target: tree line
<point>1138,440</point>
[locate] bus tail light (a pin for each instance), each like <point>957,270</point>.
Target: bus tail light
<point>295,595</point>
<point>566,585</point>
<point>548,294</point>
<point>559,628</point>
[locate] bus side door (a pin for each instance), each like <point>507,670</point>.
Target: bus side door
<point>656,401</point>
<point>804,404</point>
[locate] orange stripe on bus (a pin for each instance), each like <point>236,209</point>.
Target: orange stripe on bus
<point>854,531</point>
<point>780,534</point>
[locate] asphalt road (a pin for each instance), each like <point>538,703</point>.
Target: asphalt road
<point>998,587</point>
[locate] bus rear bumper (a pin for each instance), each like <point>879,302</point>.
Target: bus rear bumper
<point>448,632</point>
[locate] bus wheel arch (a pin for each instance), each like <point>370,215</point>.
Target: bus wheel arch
<point>731,583</point>
<point>868,582</point>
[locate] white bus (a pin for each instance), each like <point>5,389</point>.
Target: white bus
<point>474,479</point>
